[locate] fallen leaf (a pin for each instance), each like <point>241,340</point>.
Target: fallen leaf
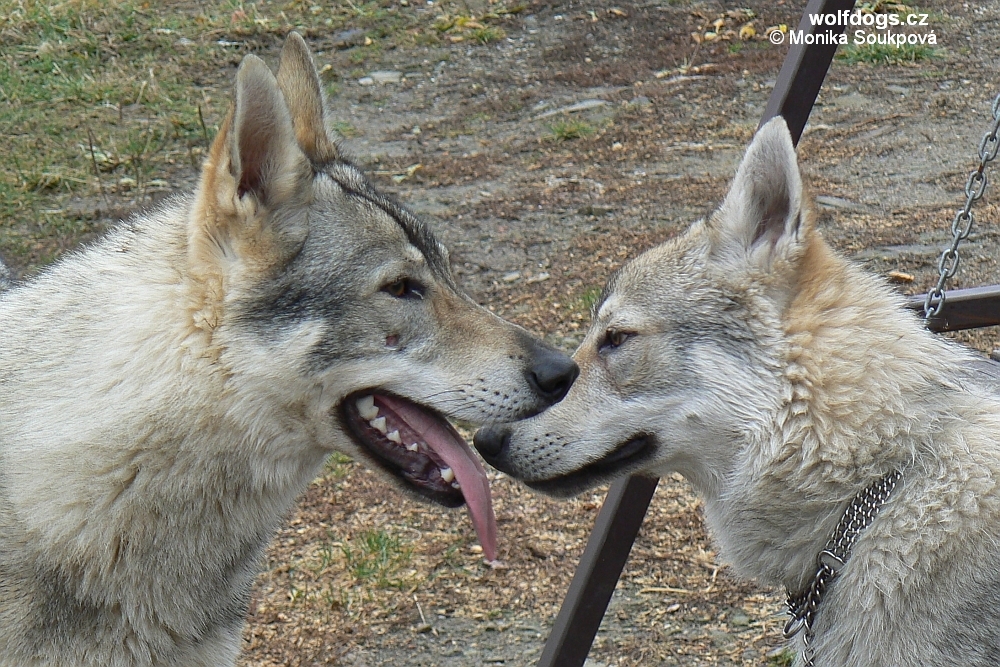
<point>901,277</point>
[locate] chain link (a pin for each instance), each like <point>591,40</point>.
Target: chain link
<point>802,607</point>
<point>961,227</point>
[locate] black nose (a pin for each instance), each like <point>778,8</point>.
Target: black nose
<point>551,373</point>
<point>491,441</point>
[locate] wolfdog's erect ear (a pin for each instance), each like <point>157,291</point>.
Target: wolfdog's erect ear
<point>762,218</point>
<point>299,82</point>
<point>264,156</point>
<point>254,167</point>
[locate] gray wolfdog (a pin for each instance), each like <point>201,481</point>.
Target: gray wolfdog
<point>797,396</point>
<point>166,393</point>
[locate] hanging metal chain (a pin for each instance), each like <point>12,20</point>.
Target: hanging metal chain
<point>803,606</point>
<point>961,226</point>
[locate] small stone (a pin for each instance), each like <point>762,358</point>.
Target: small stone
<point>511,277</point>
<point>720,638</point>
<point>423,628</point>
<point>384,77</point>
<point>585,105</point>
<point>594,210</point>
<point>826,201</point>
<point>739,619</point>
<point>349,38</point>
<point>366,81</point>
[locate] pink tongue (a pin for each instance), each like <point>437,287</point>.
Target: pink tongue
<point>454,451</point>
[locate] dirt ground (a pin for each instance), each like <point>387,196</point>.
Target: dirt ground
<point>481,139</point>
<point>535,224</point>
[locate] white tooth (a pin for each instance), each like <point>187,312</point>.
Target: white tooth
<point>447,474</point>
<point>456,485</point>
<point>394,436</point>
<point>366,408</point>
<point>412,448</point>
<point>379,424</point>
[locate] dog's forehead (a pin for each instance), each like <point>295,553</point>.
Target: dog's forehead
<point>413,254</point>
<point>639,290</point>
<point>608,307</point>
<point>386,217</point>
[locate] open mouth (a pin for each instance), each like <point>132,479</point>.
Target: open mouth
<point>417,445</point>
<point>629,455</point>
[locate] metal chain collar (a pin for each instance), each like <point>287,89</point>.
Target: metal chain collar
<point>961,226</point>
<point>803,606</point>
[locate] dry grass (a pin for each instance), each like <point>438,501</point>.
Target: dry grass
<point>106,106</point>
<point>312,606</point>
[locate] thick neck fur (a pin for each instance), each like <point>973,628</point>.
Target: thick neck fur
<point>854,406</point>
<point>104,443</point>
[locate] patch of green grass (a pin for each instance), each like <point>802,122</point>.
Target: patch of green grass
<point>361,54</point>
<point>487,34</point>
<point>566,130</point>
<point>784,659</point>
<point>334,598</point>
<point>109,101</point>
<point>345,129</point>
<point>586,301</point>
<point>337,465</point>
<point>466,26</point>
<point>326,555</point>
<point>376,558</point>
<point>427,38</point>
<point>84,83</point>
<point>887,54</point>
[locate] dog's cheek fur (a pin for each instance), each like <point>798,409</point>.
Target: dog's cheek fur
<point>254,168</point>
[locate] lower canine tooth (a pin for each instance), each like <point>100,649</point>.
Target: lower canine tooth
<point>412,448</point>
<point>379,425</point>
<point>456,485</point>
<point>394,436</point>
<point>447,474</point>
<point>366,407</point>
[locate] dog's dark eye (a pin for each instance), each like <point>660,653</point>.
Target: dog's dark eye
<point>615,338</point>
<point>404,288</point>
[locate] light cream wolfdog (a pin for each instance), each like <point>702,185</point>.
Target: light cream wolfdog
<point>782,381</point>
<point>166,393</point>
